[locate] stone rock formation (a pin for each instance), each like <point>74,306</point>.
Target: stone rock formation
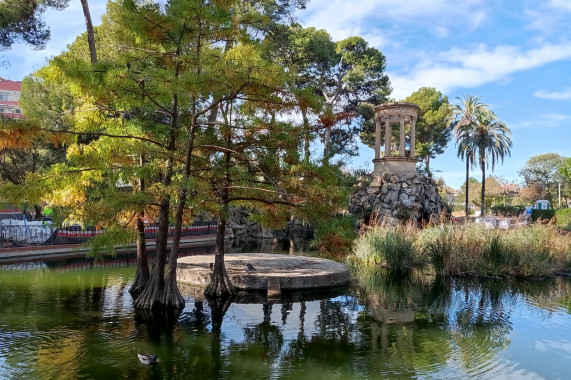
<point>398,196</point>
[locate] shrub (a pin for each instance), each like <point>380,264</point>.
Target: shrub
<point>542,214</point>
<point>508,210</point>
<point>563,217</point>
<point>335,236</point>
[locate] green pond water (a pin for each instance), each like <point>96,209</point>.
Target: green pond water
<point>74,319</point>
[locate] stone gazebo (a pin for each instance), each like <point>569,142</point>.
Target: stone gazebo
<point>397,191</point>
<point>396,158</point>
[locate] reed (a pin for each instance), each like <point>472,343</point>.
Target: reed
<point>466,250</point>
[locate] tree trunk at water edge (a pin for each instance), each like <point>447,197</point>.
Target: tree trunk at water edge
<point>220,285</point>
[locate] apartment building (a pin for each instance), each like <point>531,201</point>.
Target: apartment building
<point>9,97</point>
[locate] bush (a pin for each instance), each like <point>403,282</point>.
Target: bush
<point>508,210</point>
<point>335,236</point>
<point>542,214</point>
<point>563,218</point>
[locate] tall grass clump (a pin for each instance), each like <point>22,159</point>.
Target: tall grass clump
<point>391,247</point>
<point>465,250</point>
<point>452,249</point>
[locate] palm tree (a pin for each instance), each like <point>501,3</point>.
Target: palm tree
<point>464,117</point>
<point>492,142</point>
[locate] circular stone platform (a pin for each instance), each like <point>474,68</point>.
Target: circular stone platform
<point>292,272</point>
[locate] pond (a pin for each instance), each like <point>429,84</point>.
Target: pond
<point>74,321</point>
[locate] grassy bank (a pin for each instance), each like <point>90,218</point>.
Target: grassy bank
<point>465,250</point>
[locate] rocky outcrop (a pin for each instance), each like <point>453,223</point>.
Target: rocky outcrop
<point>239,224</point>
<point>398,196</point>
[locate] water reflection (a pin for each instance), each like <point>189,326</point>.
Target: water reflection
<point>81,325</point>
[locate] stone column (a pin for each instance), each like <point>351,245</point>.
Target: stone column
<point>388,135</point>
<point>402,145</point>
<point>377,138</point>
<point>413,136</point>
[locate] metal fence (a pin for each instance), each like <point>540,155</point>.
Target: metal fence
<point>22,236</point>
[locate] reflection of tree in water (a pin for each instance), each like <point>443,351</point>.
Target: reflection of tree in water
<point>406,318</point>
<point>293,242</point>
<point>333,349</point>
<point>479,321</point>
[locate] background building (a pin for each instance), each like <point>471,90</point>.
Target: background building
<point>9,97</point>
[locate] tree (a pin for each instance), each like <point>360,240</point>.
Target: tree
<point>432,127</point>
<point>156,90</point>
<point>544,169</point>
<point>21,21</point>
<point>565,169</point>
<point>474,186</point>
<point>462,120</point>
<point>491,142</point>
<point>340,82</point>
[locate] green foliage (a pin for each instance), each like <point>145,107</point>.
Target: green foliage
<point>481,138</point>
<point>508,210</point>
<point>21,21</point>
<point>563,218</point>
<point>544,169</point>
<point>432,128</point>
<point>565,169</point>
<point>544,215</point>
<point>335,236</point>
<point>336,85</point>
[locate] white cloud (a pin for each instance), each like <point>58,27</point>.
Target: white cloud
<point>468,68</point>
<point>548,17</point>
<point>343,18</point>
<point>553,95</point>
<point>564,5</point>
<point>551,120</point>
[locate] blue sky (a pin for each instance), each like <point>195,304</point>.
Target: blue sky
<point>514,54</point>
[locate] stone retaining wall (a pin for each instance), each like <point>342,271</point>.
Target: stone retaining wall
<point>398,196</point>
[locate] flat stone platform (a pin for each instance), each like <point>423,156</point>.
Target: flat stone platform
<point>290,272</point>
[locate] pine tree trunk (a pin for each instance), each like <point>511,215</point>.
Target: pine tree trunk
<point>220,285</point>
<point>427,165</point>
<point>90,34</point>
<point>142,275</point>
<point>306,139</point>
<point>326,145</point>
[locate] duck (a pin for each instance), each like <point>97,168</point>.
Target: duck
<point>147,358</point>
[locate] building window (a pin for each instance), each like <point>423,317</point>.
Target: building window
<point>18,110</point>
<point>3,97</point>
<point>1,110</point>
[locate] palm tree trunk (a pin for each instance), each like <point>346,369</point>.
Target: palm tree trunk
<point>483,206</point>
<point>467,184</point>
